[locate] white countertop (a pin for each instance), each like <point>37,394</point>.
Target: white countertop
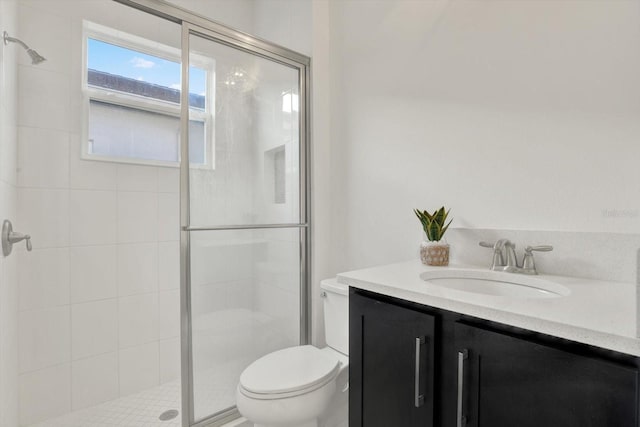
<point>596,312</point>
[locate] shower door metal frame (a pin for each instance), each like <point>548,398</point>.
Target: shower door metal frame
<point>189,29</point>
<point>193,24</point>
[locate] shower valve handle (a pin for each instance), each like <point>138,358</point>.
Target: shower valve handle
<point>9,237</point>
<point>18,237</point>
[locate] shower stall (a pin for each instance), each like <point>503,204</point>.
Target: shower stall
<point>163,177</point>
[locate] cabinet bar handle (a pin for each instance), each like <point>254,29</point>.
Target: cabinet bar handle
<point>462,356</point>
<point>418,398</point>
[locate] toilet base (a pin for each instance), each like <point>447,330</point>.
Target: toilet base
<point>313,423</point>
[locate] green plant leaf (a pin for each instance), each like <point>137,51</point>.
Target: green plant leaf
<point>433,224</point>
<point>439,215</point>
<point>444,230</point>
<point>434,231</point>
<point>420,217</point>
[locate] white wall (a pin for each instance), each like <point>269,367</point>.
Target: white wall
<point>8,202</point>
<point>517,115</point>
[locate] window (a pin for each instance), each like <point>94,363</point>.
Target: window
<point>132,93</point>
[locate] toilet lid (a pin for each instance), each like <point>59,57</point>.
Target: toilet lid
<point>289,370</point>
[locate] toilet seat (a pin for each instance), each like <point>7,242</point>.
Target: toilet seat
<point>289,372</point>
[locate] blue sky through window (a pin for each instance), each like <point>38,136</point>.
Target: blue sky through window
<point>129,63</point>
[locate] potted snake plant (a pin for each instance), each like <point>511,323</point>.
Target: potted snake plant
<point>432,250</point>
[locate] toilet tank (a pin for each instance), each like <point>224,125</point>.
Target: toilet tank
<point>336,314</point>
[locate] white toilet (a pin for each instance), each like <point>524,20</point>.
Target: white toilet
<point>294,386</point>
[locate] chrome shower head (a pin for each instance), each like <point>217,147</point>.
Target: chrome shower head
<point>36,58</point>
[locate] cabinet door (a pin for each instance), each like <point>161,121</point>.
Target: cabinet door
<point>508,382</point>
<point>391,365</point>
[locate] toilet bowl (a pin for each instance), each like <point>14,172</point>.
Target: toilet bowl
<point>294,386</point>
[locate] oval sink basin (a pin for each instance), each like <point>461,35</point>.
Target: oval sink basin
<point>496,283</point>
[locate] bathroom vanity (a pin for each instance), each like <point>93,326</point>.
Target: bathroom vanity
<point>426,355</point>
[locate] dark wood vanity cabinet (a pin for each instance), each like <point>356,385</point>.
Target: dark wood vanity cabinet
<point>507,381</point>
<point>391,365</point>
<point>475,373</point>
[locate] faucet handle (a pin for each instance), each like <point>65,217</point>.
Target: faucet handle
<point>498,259</point>
<point>528,263</point>
<point>542,248</point>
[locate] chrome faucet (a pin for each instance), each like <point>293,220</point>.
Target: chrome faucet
<point>505,258</point>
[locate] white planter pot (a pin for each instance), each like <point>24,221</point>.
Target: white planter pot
<point>434,253</point>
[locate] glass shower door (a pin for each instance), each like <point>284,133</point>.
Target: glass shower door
<point>244,215</point>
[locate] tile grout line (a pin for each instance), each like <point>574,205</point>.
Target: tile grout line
<point>157,281</point>
<point>117,284</point>
<point>69,286</point>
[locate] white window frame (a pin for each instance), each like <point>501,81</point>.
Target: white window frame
<point>91,93</point>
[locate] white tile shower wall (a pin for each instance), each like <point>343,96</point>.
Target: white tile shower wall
<point>96,291</point>
<point>93,272</point>
<point>45,393</point>
<point>9,298</point>
<point>94,379</point>
<point>44,278</point>
<point>44,338</point>
<point>43,158</point>
<point>108,284</point>
<point>94,328</point>
<point>139,368</point>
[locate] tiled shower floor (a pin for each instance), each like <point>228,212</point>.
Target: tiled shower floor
<point>143,409</point>
<point>137,410</point>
